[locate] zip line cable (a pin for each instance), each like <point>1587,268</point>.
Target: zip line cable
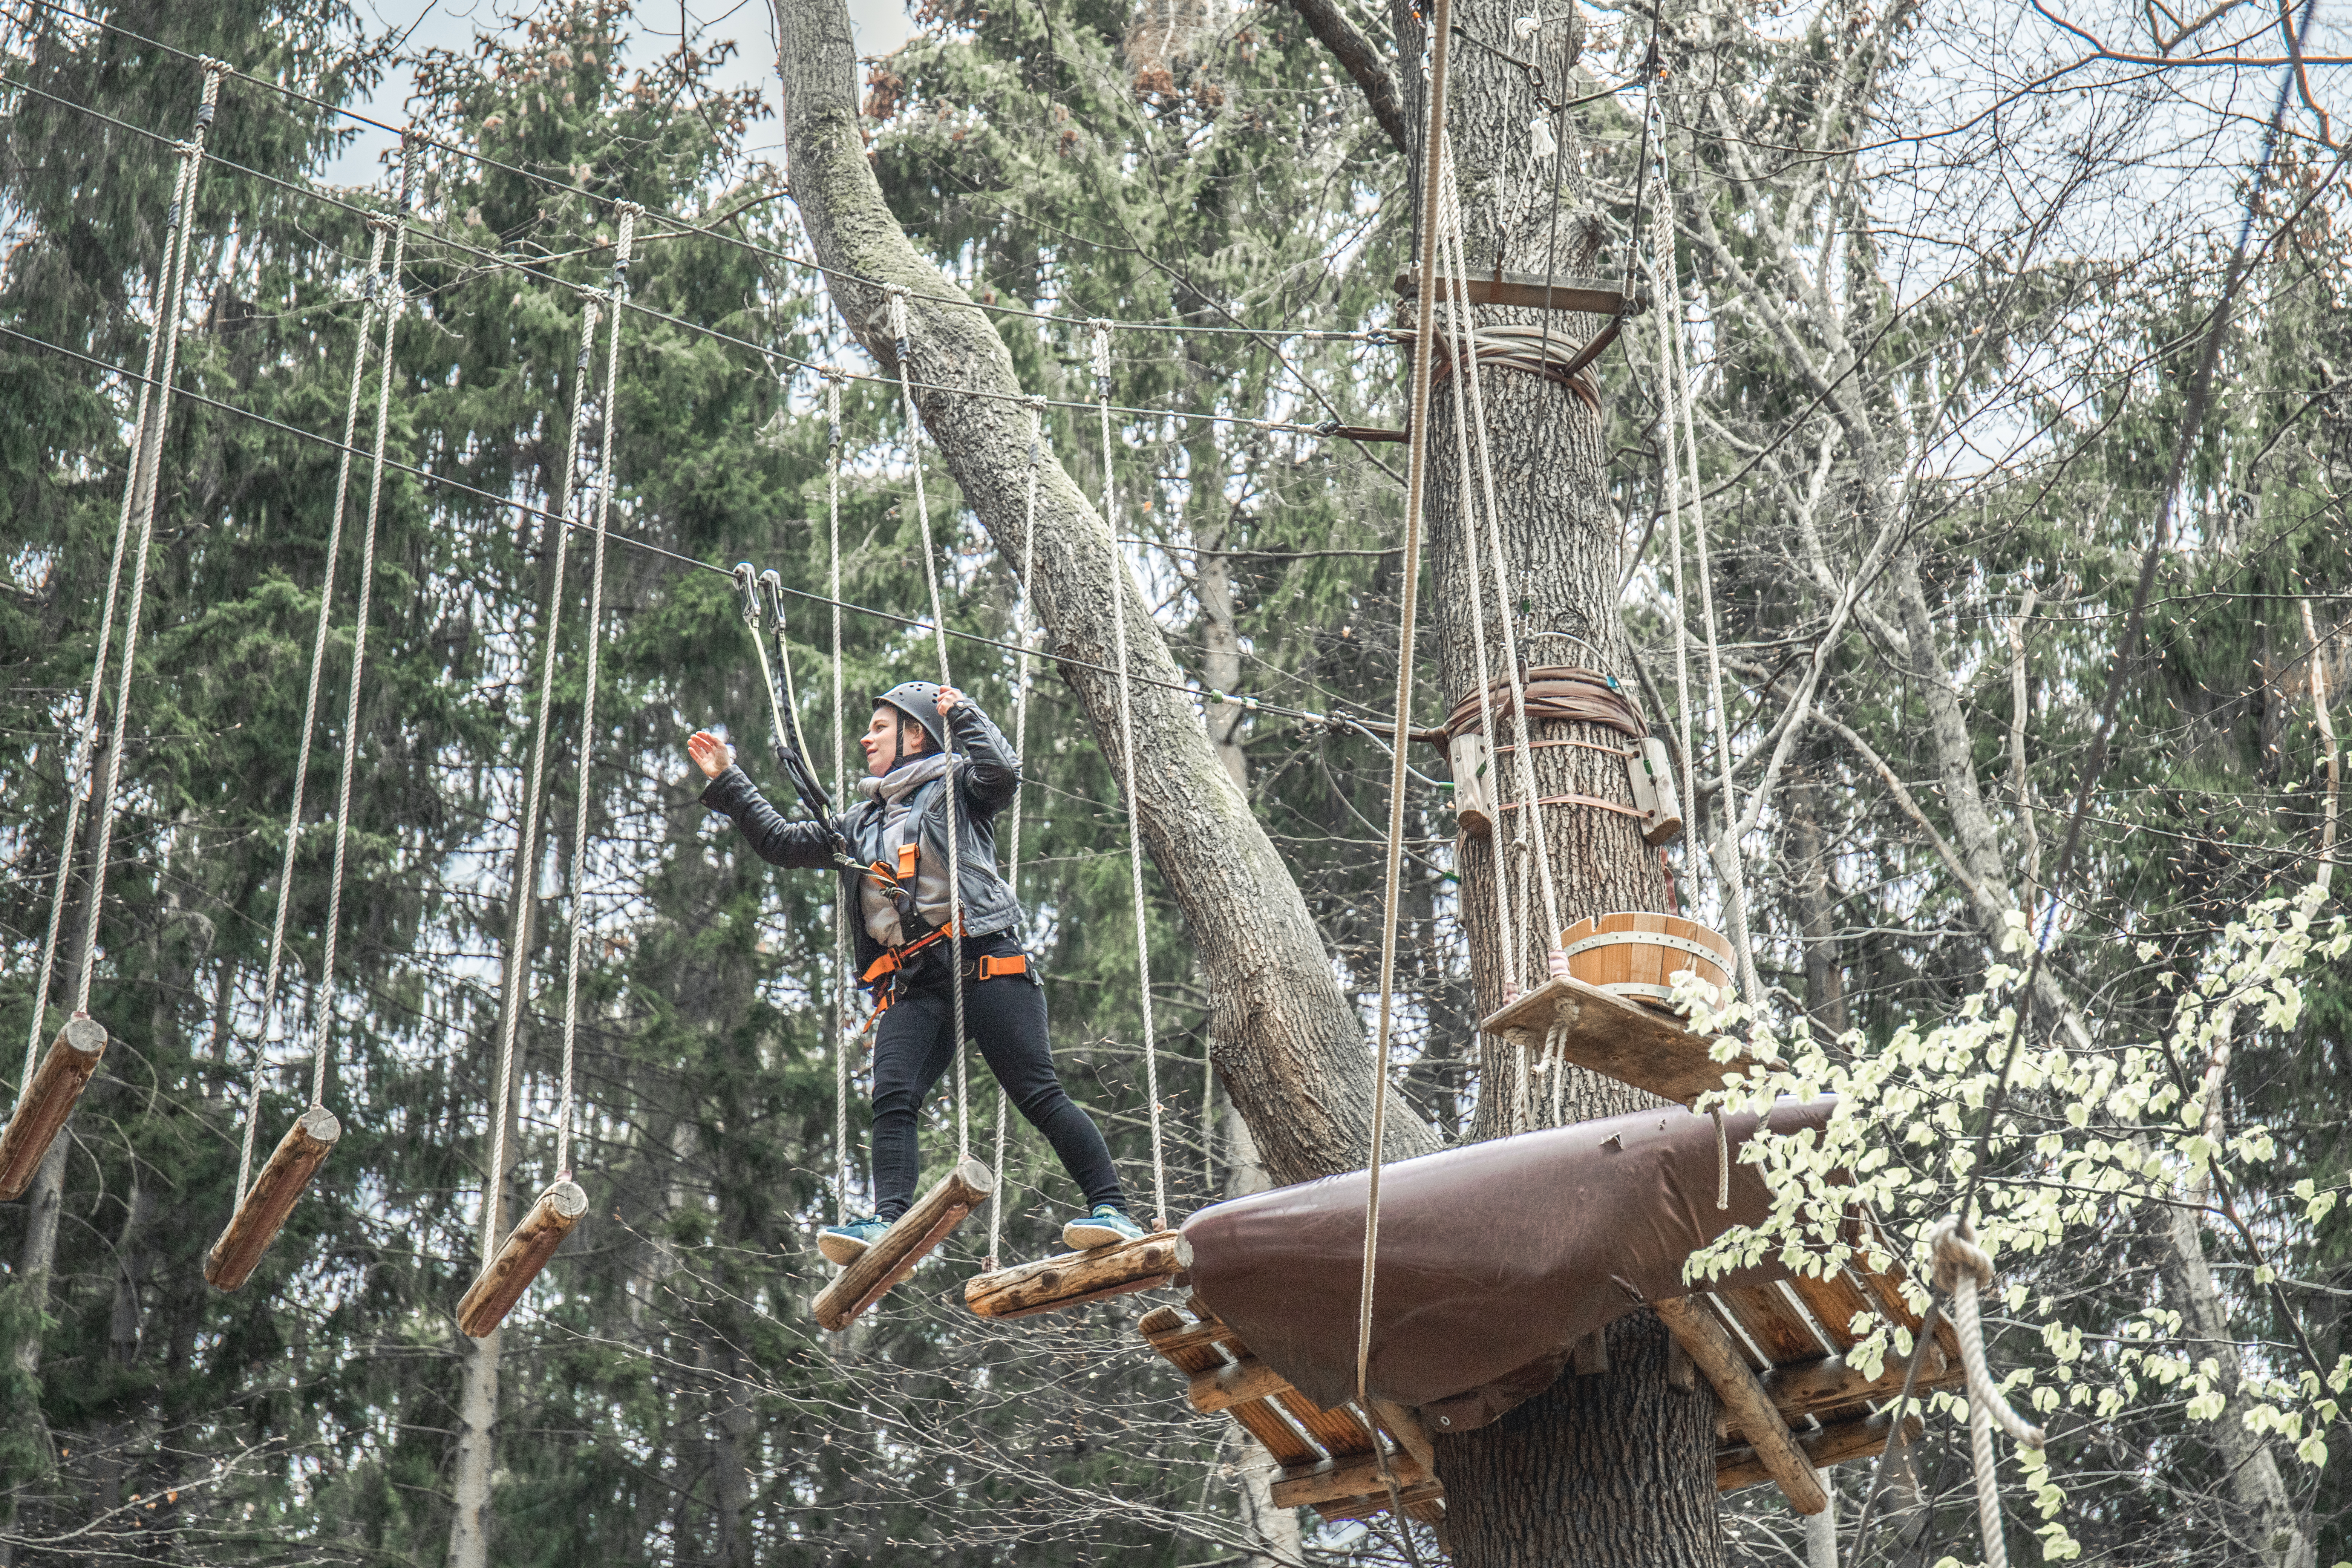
<point>273,969</point>
<point>1117,582</point>
<point>85,755</point>
<point>677,228</point>
<point>1020,749</point>
<point>1325,430</point>
<point>897,302</point>
<point>522,891</point>
<point>593,633</point>
<point>148,478</point>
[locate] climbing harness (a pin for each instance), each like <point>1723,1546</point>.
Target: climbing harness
<point>316,1131</point>
<point>1117,582</point>
<point>1962,1268</point>
<point>1021,635</point>
<point>33,1124</point>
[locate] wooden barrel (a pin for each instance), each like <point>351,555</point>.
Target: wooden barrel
<point>1636,955</point>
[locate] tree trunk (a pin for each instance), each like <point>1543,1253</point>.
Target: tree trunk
<point>1289,1046</point>
<point>1816,911</point>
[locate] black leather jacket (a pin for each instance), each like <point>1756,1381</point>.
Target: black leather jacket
<point>985,773</point>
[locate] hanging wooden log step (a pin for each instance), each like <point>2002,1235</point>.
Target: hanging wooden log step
<point>1074,1278</point>
<point>903,1245</point>
<point>1618,1038</point>
<point>1532,292</point>
<point>271,1199</point>
<point>48,1100</point>
<point>519,1257</point>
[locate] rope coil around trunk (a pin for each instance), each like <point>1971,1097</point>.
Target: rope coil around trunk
<point>1118,586</point>
<point>1530,350</point>
<point>146,477</point>
<point>592,632</point>
<point>1556,693</point>
<point>897,302</point>
<point>177,222</point>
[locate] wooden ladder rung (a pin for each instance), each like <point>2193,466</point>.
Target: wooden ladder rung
<point>518,1260</point>
<point>48,1100</point>
<point>1074,1278</point>
<point>903,1245</point>
<point>1616,1037</point>
<point>271,1199</point>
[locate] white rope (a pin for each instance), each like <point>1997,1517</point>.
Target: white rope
<point>955,790</point>
<point>323,1013</point>
<point>1675,374</point>
<point>1460,328</point>
<point>270,973</point>
<point>1021,635</point>
<point>594,634</point>
<point>77,780</point>
<point>840,793</point>
<point>146,474</point>
<point>1962,1268</point>
<point>1118,584</point>
<point>1531,828</point>
<point>523,890</point>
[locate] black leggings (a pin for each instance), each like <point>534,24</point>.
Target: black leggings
<point>914,1046</point>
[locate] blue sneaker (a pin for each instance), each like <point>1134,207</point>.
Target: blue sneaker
<point>844,1244</point>
<point>1107,1226</point>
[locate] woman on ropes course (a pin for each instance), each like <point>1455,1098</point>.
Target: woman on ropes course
<point>898,887</point>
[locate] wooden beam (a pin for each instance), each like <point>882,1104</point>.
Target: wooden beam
<point>904,1245</point>
<point>1405,1426</point>
<point>47,1102</point>
<point>1744,1399</point>
<point>519,1257</point>
<point>1425,1500</point>
<point>1861,1439</point>
<point>271,1199</point>
<point>1237,1383</point>
<point>1356,1476</point>
<point>1797,1391</point>
<point>1616,1038</point>
<point>1073,1279</point>
<point>1527,291</point>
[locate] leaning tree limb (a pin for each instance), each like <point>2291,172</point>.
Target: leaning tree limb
<point>1287,1043</point>
<point>1362,61</point>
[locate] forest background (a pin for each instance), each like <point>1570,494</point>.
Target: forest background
<point>664,1395</point>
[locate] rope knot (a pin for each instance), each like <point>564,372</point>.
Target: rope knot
<point>1952,1245</point>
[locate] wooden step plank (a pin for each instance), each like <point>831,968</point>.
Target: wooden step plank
<point>904,1245</point>
<point>1424,1501</point>
<point>1616,1038</point>
<point>1834,1299</point>
<point>56,1085</point>
<point>1719,1361</point>
<point>1775,1321</point>
<point>1235,1383</point>
<point>1073,1279</point>
<point>1857,1439</point>
<point>1335,1479</point>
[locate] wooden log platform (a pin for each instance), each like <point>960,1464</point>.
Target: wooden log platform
<point>903,1245</point>
<point>1621,1040</point>
<point>519,1257</point>
<point>1530,291</point>
<point>48,1100</point>
<point>1074,1278</point>
<point>271,1199</point>
<point>1782,1347</point>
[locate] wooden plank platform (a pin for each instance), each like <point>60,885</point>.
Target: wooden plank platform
<point>1616,1037</point>
<point>1528,291</point>
<point>1782,1346</point>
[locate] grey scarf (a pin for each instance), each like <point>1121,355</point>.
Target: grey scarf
<point>884,914</point>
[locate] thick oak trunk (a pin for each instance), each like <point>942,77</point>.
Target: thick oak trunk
<point>1287,1043</point>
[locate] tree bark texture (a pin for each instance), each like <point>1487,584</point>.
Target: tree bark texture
<point>1289,1045</point>
<point>1616,1468</point>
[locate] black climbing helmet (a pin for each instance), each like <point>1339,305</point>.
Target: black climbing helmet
<point>919,700</point>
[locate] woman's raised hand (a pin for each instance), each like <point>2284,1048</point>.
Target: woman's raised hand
<point>711,755</point>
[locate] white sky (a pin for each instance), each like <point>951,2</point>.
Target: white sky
<point>881,25</point>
